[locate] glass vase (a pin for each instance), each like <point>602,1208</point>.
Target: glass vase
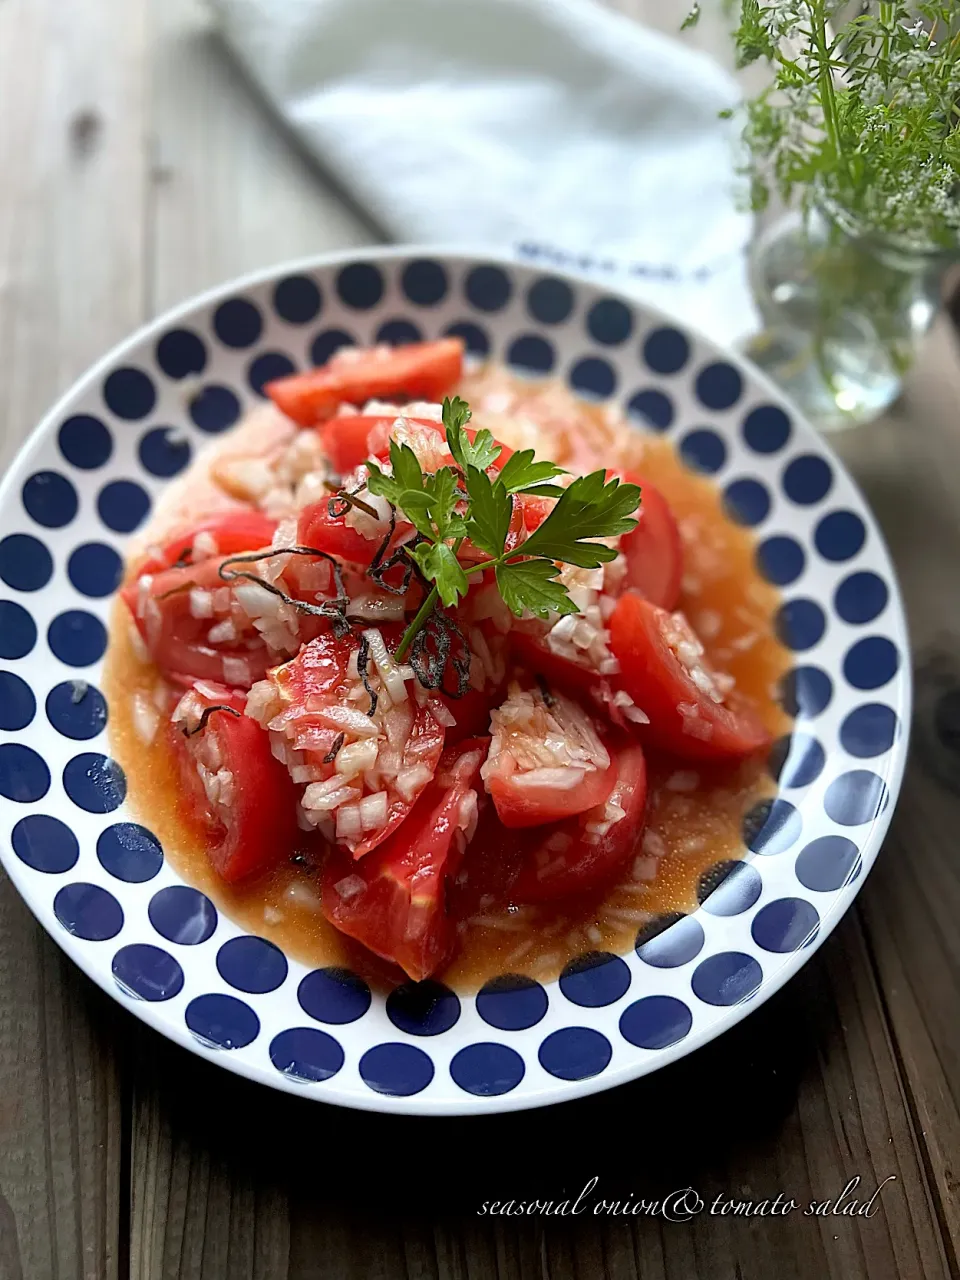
<point>843,313</point>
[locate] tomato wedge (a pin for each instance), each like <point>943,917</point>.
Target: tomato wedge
<point>653,550</point>
<point>546,759</point>
<point>420,371</point>
<point>230,531</point>
<point>363,772</point>
<point>350,439</point>
<point>662,669</point>
<point>163,610</point>
<point>395,900</point>
<point>583,853</point>
<point>232,786</point>
<point>317,528</point>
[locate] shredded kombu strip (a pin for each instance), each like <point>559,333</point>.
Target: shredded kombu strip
<point>332,753</point>
<point>334,609</point>
<point>207,713</point>
<point>363,657</point>
<point>433,650</point>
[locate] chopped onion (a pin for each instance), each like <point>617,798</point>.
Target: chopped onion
<point>563,779</point>
<point>146,718</point>
<point>256,601</point>
<point>204,545</point>
<point>356,757</point>
<point>389,671</point>
<point>374,810</point>
<point>325,796</point>
<point>371,607</point>
<point>349,718</point>
<point>683,780</point>
<point>349,822</point>
<point>409,782</point>
<point>652,844</point>
<point>222,632</point>
<point>441,713</point>
<point>349,887</point>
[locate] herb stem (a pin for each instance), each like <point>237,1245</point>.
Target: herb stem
<point>430,602</point>
<point>423,613</point>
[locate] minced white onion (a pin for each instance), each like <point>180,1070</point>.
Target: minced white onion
<point>409,782</point>
<point>356,757</point>
<point>222,632</point>
<point>563,779</point>
<point>146,718</point>
<point>356,722</point>
<point>386,666</point>
<point>349,887</point>
<point>201,603</point>
<point>329,795</point>
<point>349,822</point>
<point>374,810</point>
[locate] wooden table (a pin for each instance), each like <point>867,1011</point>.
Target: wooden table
<point>136,167</point>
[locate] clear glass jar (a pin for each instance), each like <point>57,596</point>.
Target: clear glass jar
<point>843,313</point>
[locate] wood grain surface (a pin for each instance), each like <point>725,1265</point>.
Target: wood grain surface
<point>137,167</point>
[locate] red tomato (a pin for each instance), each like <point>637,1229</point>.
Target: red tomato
<point>318,528</point>
<point>420,371</point>
<point>350,439</point>
<point>232,531</point>
<point>653,550</point>
<point>684,719</point>
<point>569,858</point>
<point>178,642</point>
<point>526,789</point>
<point>395,901</point>
<point>234,787</point>
<point>578,678</point>
<point>317,681</point>
<point>471,712</point>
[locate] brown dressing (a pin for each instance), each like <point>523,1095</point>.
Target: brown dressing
<point>696,812</point>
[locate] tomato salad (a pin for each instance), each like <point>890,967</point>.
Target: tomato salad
<point>418,748</point>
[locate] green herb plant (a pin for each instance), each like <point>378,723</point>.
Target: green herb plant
<point>463,501</point>
<point>863,115</point>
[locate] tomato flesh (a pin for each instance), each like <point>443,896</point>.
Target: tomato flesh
<point>420,371</point>
<point>232,531</point>
<point>684,719</point>
<point>571,858</point>
<point>314,688</point>
<point>546,759</point>
<point>653,550</point>
<point>395,900</point>
<point>177,641</point>
<point>350,439</point>
<point>251,825</point>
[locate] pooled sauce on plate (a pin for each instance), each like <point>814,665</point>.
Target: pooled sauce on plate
<point>694,813</point>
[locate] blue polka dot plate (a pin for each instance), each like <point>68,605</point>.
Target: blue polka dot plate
<point>98,880</point>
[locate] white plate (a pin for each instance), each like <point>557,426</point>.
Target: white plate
<point>88,477</point>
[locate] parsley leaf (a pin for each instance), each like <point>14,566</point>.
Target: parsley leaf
<point>526,585</point>
<point>521,474</point>
<point>490,510</point>
<point>441,566</point>
<point>590,508</point>
<point>481,452</point>
<point>442,490</point>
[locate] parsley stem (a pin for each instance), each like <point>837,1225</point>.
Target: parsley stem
<point>430,603</point>
<point>423,613</point>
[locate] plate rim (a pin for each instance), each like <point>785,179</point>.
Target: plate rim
<point>562,1090</point>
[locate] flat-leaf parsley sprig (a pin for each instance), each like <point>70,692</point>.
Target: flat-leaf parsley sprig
<point>463,501</point>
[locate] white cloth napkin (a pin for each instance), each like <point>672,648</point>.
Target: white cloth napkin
<point>556,130</point>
